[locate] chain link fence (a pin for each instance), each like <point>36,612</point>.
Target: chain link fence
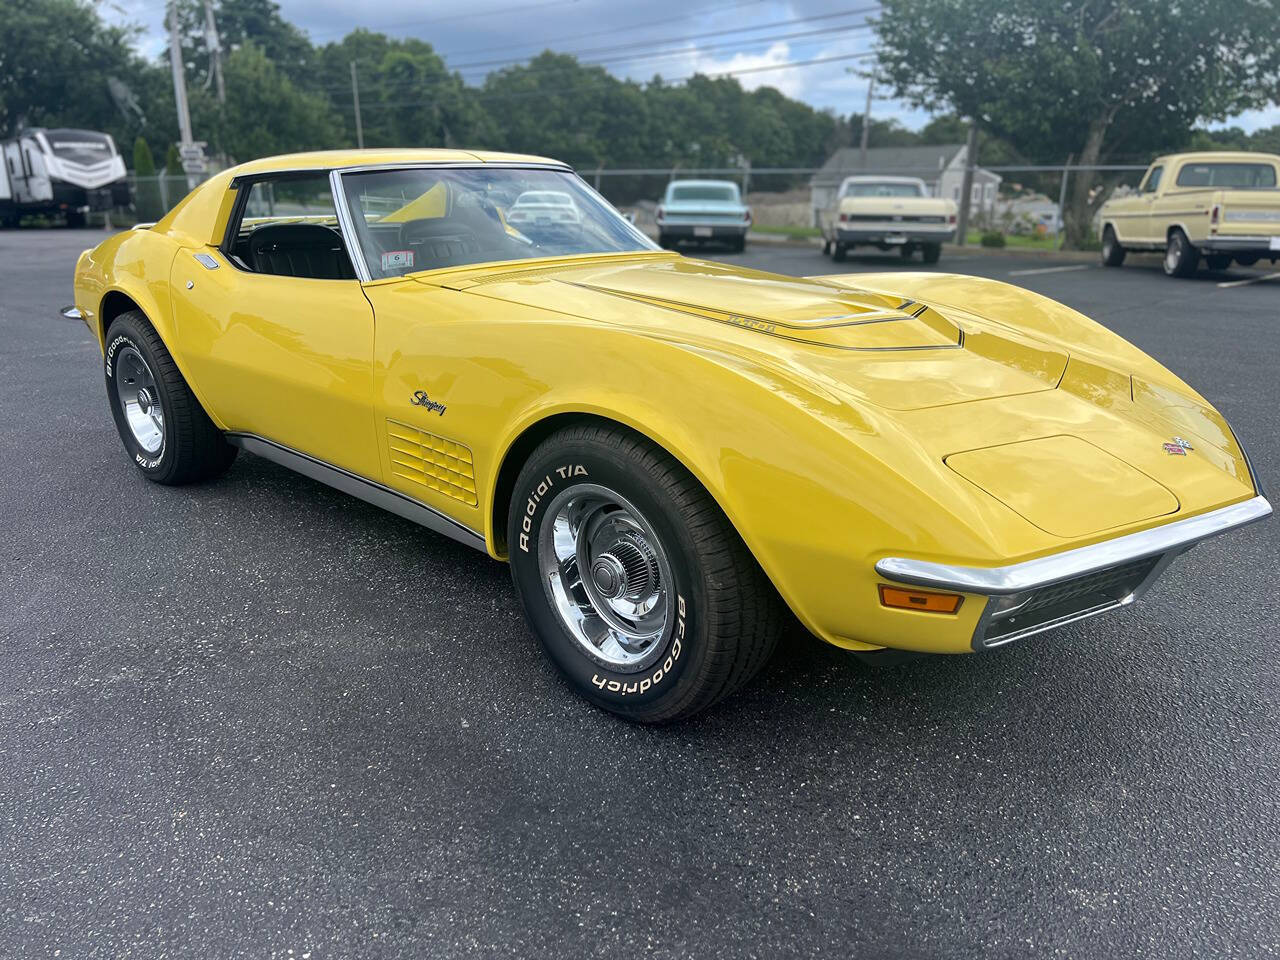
<point>1011,200</point>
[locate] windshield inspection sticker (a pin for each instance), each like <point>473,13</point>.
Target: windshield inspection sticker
<point>397,260</point>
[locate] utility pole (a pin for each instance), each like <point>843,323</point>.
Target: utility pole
<point>212,41</point>
<point>192,153</point>
<point>866,125</point>
<point>179,77</point>
<point>355,98</point>
<point>966,183</point>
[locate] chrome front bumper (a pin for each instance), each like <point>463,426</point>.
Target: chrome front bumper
<point>1037,595</point>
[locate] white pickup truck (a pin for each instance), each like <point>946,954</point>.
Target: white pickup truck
<point>1219,206</point>
<point>887,212</point>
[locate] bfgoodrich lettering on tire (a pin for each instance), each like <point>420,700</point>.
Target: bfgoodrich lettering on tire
<point>640,590</point>
<point>161,423</point>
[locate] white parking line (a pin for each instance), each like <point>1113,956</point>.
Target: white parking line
<point>1245,283</point>
<point>1028,273</point>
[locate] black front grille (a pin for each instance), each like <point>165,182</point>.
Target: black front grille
<point>1092,592</point>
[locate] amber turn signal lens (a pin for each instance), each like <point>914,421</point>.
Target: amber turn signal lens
<point>919,600</point>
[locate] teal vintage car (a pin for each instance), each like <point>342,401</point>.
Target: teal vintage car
<point>703,211</point>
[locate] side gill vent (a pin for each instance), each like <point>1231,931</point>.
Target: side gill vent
<point>442,465</point>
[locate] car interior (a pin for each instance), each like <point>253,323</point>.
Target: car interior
<point>309,250</point>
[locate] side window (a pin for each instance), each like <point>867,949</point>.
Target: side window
<point>288,227</point>
<point>1153,180</point>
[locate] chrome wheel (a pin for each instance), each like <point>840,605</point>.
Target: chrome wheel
<point>1172,254</point>
<point>140,400</point>
<point>607,575</point>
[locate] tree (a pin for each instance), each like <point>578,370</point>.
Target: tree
<point>408,97</point>
<point>1097,80</point>
<point>173,162</point>
<point>266,113</point>
<point>146,189</point>
<point>57,61</point>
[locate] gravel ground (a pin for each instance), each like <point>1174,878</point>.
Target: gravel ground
<point>260,719</point>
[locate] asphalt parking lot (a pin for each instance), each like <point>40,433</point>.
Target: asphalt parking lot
<point>260,719</point>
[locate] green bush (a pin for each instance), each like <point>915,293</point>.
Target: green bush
<point>992,238</point>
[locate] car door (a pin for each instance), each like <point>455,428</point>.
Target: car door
<point>1148,219</point>
<point>274,328</point>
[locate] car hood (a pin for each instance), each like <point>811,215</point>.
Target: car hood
<point>897,365</point>
<point>891,351</point>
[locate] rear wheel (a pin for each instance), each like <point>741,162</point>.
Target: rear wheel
<point>930,252</point>
<point>639,589</point>
<point>1180,257</point>
<point>1112,252</point>
<point>838,251</point>
<point>740,243</point>
<point>906,250</point>
<point>161,423</point>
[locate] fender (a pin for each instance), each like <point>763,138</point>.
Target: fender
<point>135,254</point>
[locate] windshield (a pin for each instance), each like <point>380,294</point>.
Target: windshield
<point>1238,176</point>
<point>426,219</point>
<point>887,189</point>
<point>723,193</point>
<point>80,146</point>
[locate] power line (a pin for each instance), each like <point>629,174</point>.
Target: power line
<point>647,56</point>
<point>572,88</point>
<point>737,46</point>
<point>459,16</point>
<point>667,40</point>
<point>706,11</point>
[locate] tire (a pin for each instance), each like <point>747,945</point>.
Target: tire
<point>664,242</point>
<point>643,521</point>
<point>740,244</point>
<point>1217,261</point>
<point>906,250</point>
<point>838,252</point>
<point>930,252</point>
<point>1180,258</point>
<point>76,219</point>
<point>1112,252</point>
<point>826,248</point>
<point>182,445</point>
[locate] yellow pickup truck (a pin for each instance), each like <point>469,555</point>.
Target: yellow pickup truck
<point>1220,206</point>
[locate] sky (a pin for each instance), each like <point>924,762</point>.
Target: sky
<point>751,38</point>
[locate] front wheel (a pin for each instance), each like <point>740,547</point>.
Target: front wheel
<point>1180,257</point>
<point>160,421</point>
<point>638,587</point>
<point>1112,252</point>
<point>930,252</point>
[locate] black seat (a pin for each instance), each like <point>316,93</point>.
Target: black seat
<point>300,250</point>
<point>442,242</point>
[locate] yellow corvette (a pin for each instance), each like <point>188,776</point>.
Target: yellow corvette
<point>670,452</point>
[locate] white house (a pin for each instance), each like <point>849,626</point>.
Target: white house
<point>941,167</point>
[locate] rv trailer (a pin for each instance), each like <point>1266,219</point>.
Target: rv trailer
<point>60,172</point>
